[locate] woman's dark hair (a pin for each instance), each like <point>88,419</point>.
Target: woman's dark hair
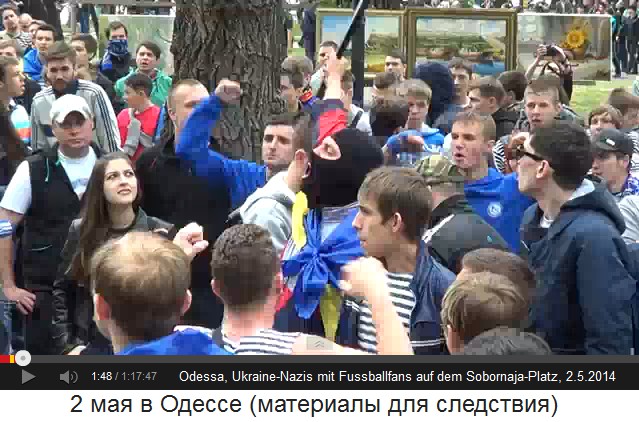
<point>12,145</point>
<point>95,221</point>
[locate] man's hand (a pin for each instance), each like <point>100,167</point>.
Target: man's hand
<point>25,300</point>
<point>191,239</point>
<point>364,277</point>
<point>229,92</point>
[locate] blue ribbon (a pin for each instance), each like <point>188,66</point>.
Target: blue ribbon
<point>320,263</point>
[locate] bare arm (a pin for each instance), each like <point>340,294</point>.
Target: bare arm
<point>24,299</point>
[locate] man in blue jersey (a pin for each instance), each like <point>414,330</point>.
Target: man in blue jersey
<point>495,197</point>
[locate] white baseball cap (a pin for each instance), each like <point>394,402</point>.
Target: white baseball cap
<point>68,104</point>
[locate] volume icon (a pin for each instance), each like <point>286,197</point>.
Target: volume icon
<point>69,377</point>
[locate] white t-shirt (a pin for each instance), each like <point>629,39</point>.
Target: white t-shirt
<point>17,197</point>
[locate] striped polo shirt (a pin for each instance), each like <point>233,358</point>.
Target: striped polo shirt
<point>263,342</point>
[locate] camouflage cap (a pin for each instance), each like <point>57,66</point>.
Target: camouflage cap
<point>438,169</point>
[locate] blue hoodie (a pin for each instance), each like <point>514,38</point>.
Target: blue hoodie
<point>241,177</point>
<point>438,78</point>
<point>32,65</point>
<point>189,341</point>
<point>581,263</point>
<point>496,198</point>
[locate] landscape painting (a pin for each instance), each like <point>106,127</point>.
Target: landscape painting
<point>485,40</point>
<point>384,32</point>
<point>586,40</point>
<point>141,28</point>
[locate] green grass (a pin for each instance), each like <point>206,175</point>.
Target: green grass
<point>587,97</point>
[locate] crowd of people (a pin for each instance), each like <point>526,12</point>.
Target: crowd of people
<point>453,214</point>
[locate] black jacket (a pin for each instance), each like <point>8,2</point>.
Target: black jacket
<point>121,67</point>
<point>31,88</point>
<point>175,194</point>
<point>106,84</point>
<point>455,229</point>
<point>631,28</point>
<point>505,121</point>
<point>54,205</point>
<point>72,302</point>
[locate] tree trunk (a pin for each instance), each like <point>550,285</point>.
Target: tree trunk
<point>244,40</point>
<point>45,10</point>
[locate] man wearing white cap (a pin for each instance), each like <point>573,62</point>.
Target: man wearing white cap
<point>45,194</point>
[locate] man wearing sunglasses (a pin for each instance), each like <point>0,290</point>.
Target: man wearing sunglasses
<point>575,249</point>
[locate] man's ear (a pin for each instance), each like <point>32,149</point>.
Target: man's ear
<point>188,298</point>
<point>453,341</point>
<point>102,308</point>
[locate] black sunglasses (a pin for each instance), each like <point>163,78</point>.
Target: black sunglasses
<point>520,153</point>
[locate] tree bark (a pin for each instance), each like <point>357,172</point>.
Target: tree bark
<point>243,40</point>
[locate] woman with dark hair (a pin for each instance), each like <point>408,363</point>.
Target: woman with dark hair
<point>110,210</point>
<point>12,150</point>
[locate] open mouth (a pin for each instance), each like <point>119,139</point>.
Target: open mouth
<point>124,191</point>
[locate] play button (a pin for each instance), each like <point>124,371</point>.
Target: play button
<point>26,376</point>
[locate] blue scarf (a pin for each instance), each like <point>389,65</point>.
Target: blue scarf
<point>320,263</point>
<point>116,48</point>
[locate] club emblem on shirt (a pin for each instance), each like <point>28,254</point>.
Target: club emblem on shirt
<point>494,209</point>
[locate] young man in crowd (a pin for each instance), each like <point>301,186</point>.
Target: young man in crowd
<point>603,117</point>
<point>628,106</point>
<point>326,49</point>
<point>388,118</point>
<point>116,62</point>
<point>486,96</point>
<point>418,95</point>
<point>384,86</point>
<point>612,151</point>
<point>271,206</point>
<point>60,72</point>
<point>33,62</point>
<point>25,22</point>
<point>357,117</point>
<point>294,84</point>
<point>147,57</point>
<point>11,86</point>
<point>86,47</point>
<point>173,193</point>
<point>573,240</point>
<point>31,87</point>
<point>395,62</point>
<point>12,30</point>
<point>541,108</point>
<point>514,83</point>
<point>246,271</point>
<point>140,289</point>
<point>44,195</point>
<point>462,73</point>
<point>454,229</point>
<point>394,207</point>
<point>492,195</point>
<point>478,302</point>
<point>137,123</point>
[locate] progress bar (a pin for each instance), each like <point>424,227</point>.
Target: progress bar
<point>7,359</point>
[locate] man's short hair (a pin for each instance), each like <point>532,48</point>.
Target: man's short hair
<point>387,115</point>
<point>489,87</point>
<point>297,121</point>
<point>400,190</point>
<point>170,100</point>
<point>145,279</point>
<point>487,123</point>
<point>504,341</point>
<point>297,68</point>
<point>480,302</point>
<point>244,265</point>
<point>459,63</point>
<point>9,6</point>
<point>46,28</point>
<point>385,80</point>
<point>567,148</point>
<point>331,44</point>
<point>610,111</point>
<point>12,44</point>
<point>623,101</point>
<point>416,88</point>
<point>397,54</point>
<point>543,87</point>
<point>501,262</point>
<point>347,80</point>
<point>114,26</point>
<point>150,45</point>
<point>90,44</point>
<point>140,82</point>
<point>4,62</point>
<point>60,51</point>
<point>514,81</point>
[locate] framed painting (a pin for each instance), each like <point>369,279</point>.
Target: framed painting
<point>486,38</point>
<point>140,28</point>
<point>585,39</point>
<point>384,32</point>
